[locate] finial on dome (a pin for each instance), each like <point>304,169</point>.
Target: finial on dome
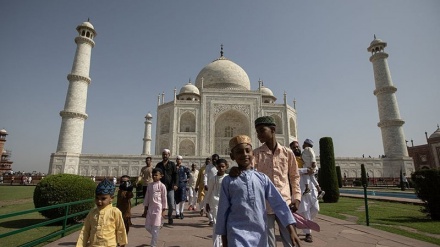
<point>374,36</point>
<point>189,80</point>
<point>221,50</point>
<point>88,19</point>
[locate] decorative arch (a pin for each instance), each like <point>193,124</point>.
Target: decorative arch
<point>352,174</point>
<point>279,123</point>
<point>292,128</point>
<point>187,122</point>
<point>163,144</point>
<point>94,171</point>
<point>165,124</point>
<point>114,172</point>
<point>187,148</point>
<point>84,171</point>
<point>229,124</point>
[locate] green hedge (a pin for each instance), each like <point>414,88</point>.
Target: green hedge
<point>426,185</point>
<point>63,188</point>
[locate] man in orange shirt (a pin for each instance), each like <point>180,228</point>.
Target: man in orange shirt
<point>279,164</point>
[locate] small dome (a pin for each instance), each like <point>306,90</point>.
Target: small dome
<point>223,74</point>
<point>149,115</point>
<point>86,24</point>
<point>189,88</point>
<point>376,41</point>
<point>435,134</point>
<point>3,131</point>
<point>266,91</point>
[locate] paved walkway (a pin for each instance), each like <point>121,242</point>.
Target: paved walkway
<point>193,231</point>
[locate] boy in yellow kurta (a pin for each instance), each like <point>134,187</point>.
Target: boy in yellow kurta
<point>103,225</point>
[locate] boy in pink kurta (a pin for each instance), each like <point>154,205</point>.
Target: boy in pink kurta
<point>155,203</point>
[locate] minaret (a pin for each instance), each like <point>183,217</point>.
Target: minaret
<point>146,150</point>
<point>390,123</point>
<point>74,113</point>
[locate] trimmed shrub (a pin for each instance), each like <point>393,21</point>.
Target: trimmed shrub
<point>63,188</point>
<point>364,176</point>
<point>426,184</point>
<point>338,173</point>
<point>327,174</point>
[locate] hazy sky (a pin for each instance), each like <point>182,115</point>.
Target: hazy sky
<point>315,51</point>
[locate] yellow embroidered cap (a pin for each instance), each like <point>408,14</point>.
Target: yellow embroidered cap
<point>239,140</point>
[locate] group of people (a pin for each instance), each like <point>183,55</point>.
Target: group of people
<point>243,203</point>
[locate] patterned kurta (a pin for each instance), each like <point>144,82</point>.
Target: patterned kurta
<point>103,227</point>
<point>156,201</point>
<point>282,170</point>
<point>242,209</point>
<point>183,174</point>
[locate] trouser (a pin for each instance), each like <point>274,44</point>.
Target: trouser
<point>217,239</point>
<point>192,197</point>
<point>154,231</point>
<point>127,222</point>
<point>179,208</point>
<point>170,200</point>
<point>285,235</point>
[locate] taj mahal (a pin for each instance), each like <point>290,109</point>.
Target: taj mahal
<point>199,122</point>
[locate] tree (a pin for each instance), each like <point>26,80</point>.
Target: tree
<point>328,179</point>
<point>364,176</point>
<point>339,174</point>
<point>426,184</point>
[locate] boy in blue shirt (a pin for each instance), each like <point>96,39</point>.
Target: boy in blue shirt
<point>241,217</point>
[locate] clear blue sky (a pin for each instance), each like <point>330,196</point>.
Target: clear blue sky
<point>316,51</point>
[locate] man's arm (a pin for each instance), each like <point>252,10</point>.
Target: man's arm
<point>294,178</point>
<point>175,177</point>
<point>141,175</point>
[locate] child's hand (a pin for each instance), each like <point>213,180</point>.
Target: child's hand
<point>293,236</point>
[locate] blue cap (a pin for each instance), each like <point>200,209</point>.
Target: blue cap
<point>105,188</point>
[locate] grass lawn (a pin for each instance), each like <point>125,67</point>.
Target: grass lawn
<point>399,218</point>
<point>15,199</point>
<point>20,198</point>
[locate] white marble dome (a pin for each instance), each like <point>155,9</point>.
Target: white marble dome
<point>3,131</point>
<point>223,74</point>
<point>266,91</point>
<point>190,88</point>
<point>435,134</point>
<point>376,41</point>
<point>87,24</point>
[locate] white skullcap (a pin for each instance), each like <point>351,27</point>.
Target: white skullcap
<point>166,150</point>
<point>179,157</point>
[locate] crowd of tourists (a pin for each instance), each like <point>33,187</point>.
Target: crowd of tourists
<point>272,184</point>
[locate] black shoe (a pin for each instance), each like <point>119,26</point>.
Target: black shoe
<point>170,221</point>
<point>181,216</point>
<point>177,217</point>
<point>308,238</point>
